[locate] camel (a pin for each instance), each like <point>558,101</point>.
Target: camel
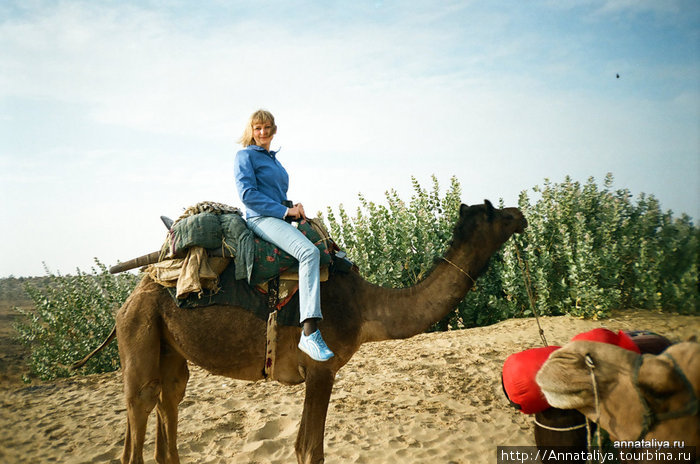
<point>634,397</point>
<point>556,428</point>
<point>157,339</point>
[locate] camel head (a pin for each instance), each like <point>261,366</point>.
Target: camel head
<point>489,226</point>
<point>638,395</point>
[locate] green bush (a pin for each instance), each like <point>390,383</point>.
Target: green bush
<point>592,250</point>
<point>587,250</point>
<point>72,314</point>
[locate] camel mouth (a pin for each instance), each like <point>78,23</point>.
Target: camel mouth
<point>560,392</point>
<point>557,388</point>
<point>570,399</point>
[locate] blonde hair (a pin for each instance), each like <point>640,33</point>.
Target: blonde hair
<point>260,116</point>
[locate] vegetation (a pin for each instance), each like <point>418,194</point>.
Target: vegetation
<point>71,315</point>
<point>587,250</point>
<point>13,288</point>
<point>592,250</point>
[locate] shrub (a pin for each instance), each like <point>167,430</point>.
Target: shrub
<point>587,250</point>
<point>592,250</point>
<point>73,314</point>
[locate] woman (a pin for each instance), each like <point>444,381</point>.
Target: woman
<point>262,185</point>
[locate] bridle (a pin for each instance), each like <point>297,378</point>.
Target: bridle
<point>650,418</point>
<point>591,366</point>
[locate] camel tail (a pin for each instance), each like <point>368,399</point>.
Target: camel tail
<point>81,363</point>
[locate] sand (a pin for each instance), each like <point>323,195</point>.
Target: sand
<point>434,398</point>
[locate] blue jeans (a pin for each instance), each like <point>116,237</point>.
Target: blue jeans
<point>288,238</point>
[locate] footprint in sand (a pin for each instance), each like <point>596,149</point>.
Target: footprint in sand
<point>277,428</point>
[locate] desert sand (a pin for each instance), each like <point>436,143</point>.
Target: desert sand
<point>433,398</point>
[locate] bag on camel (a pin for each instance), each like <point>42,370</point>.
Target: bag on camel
<point>518,378</point>
<point>203,229</point>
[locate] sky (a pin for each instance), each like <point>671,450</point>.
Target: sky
<point>113,113</point>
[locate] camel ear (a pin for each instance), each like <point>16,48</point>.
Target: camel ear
<point>489,209</point>
<point>658,377</point>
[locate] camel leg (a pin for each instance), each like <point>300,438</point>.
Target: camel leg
<point>309,444</point>
<point>173,375</point>
<point>139,404</point>
<point>139,351</point>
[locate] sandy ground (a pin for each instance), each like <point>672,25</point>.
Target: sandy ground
<point>435,398</point>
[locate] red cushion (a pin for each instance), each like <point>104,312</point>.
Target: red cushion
<point>600,334</point>
<point>519,372</point>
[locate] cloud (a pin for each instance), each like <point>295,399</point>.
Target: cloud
<point>639,6</point>
<point>137,68</point>
<point>137,105</point>
<point>602,8</point>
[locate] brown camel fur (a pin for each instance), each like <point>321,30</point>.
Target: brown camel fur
<point>157,339</point>
<point>635,392</point>
<point>551,424</point>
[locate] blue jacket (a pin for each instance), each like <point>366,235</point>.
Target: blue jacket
<point>261,181</point>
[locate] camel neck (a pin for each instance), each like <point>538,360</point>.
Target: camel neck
<point>402,313</point>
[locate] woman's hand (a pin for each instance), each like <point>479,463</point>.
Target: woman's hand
<point>296,212</point>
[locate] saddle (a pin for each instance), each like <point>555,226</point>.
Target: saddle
<point>225,263</point>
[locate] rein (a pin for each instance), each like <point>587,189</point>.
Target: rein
<point>591,366</point>
<point>528,286</point>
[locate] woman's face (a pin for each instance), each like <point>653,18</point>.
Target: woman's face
<point>263,134</point>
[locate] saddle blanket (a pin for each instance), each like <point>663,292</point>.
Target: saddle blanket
<point>238,292</point>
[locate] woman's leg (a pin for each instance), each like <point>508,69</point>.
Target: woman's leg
<point>288,238</point>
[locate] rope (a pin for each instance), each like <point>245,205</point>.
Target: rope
<point>208,207</point>
<point>528,286</point>
<point>273,286</point>
<point>560,429</point>
<point>460,270</point>
<point>589,438</point>
<point>591,367</point>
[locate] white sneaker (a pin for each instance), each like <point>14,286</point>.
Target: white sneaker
<point>315,347</point>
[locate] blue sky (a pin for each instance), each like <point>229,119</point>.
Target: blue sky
<point>113,113</point>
